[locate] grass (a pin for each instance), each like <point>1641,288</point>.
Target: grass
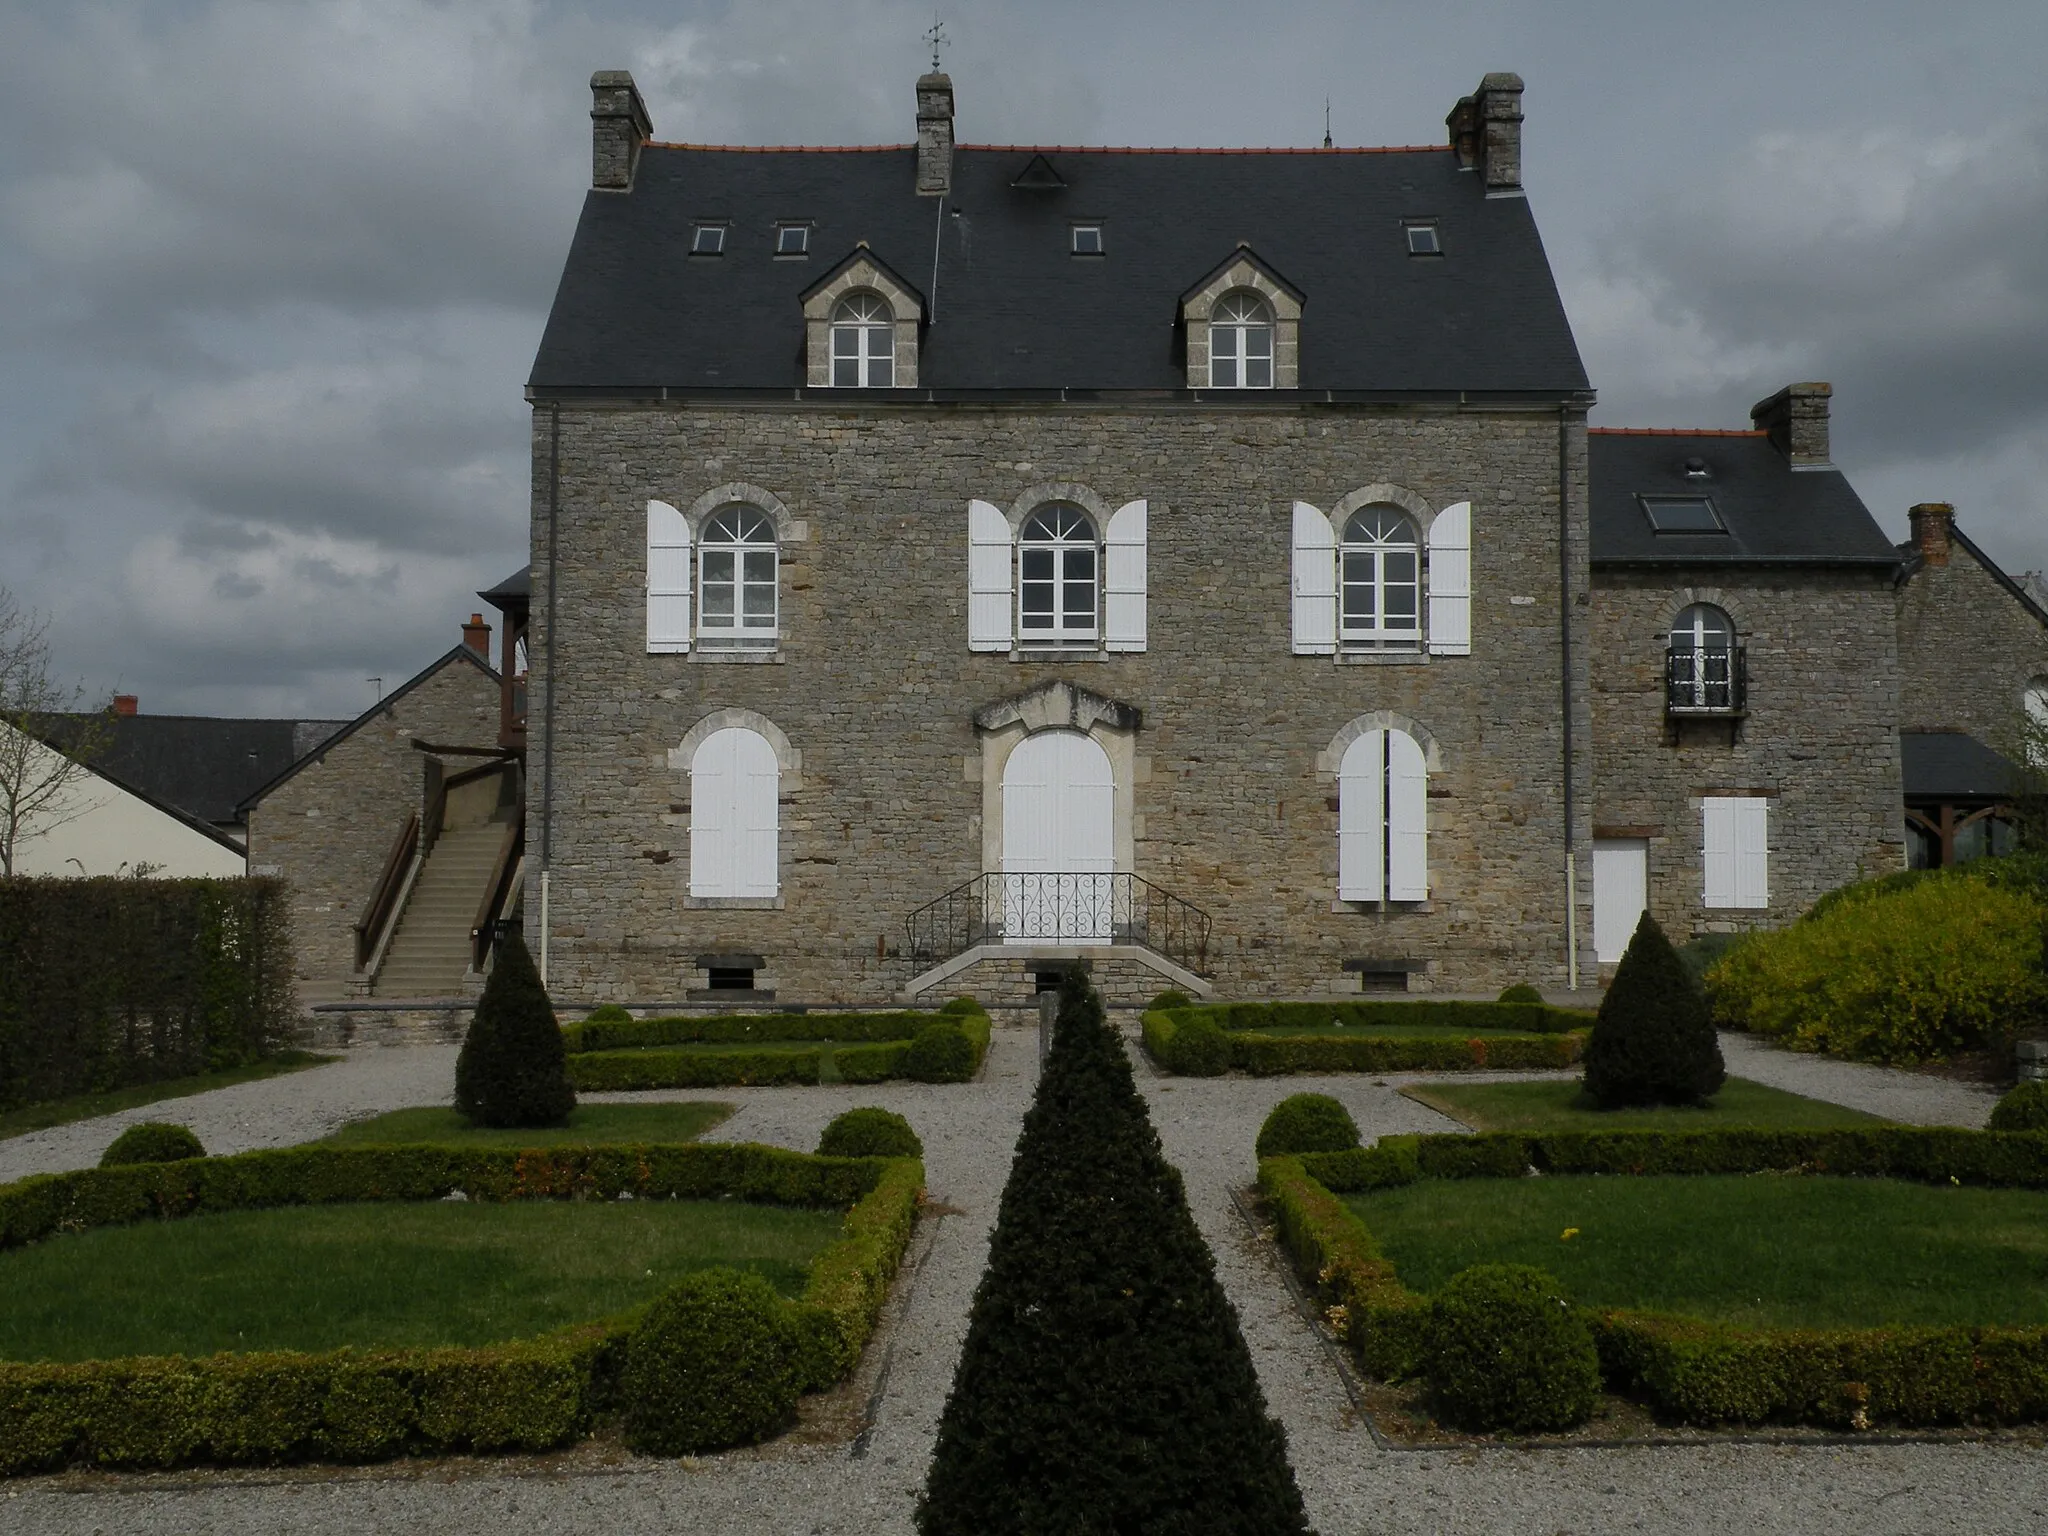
<point>1766,1250</point>
<point>1562,1106</point>
<point>590,1125</point>
<point>443,1272</point>
<point>90,1106</point>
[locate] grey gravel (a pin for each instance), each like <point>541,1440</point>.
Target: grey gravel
<point>1915,1098</point>
<point>1351,1484</point>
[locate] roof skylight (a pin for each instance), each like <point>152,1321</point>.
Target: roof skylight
<point>1682,514</point>
<point>1423,239</point>
<point>1088,240</point>
<point>792,239</point>
<point>708,240</point>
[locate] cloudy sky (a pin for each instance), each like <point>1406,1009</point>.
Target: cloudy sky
<point>272,273</point>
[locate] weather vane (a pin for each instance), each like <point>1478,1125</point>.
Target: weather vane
<point>1326,122</point>
<point>938,39</point>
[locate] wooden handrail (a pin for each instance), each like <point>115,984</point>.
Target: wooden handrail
<point>377,914</point>
<point>496,893</point>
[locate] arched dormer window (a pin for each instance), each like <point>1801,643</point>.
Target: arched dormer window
<point>1704,668</point>
<point>863,343</point>
<point>737,579</point>
<point>1241,342</point>
<point>1058,575</point>
<point>1380,576</point>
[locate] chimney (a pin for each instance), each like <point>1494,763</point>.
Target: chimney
<point>619,125</point>
<point>934,135</point>
<point>127,704</point>
<point>476,634</point>
<point>1486,133</point>
<point>1796,418</point>
<point>1931,522</point>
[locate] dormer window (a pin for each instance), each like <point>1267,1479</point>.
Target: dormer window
<point>792,239</point>
<point>1088,240</point>
<point>1241,343</point>
<point>861,327</point>
<point>1243,327</point>
<point>1423,239</point>
<point>708,240</point>
<point>863,343</point>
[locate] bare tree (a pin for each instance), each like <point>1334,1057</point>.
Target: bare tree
<point>37,780</point>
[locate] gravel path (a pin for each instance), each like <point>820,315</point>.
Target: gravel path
<point>1912,1097</point>
<point>1353,1487</point>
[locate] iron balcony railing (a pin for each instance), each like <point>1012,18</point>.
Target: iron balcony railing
<point>1714,681</point>
<point>1059,908</point>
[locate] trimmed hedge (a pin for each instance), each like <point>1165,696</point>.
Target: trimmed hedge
<point>617,1070</point>
<point>1198,1042</point>
<point>1506,1350</point>
<point>2023,1109</point>
<point>1307,1122</point>
<point>152,1141</point>
<point>1688,1370</point>
<point>617,1031</point>
<point>1518,1018</point>
<point>509,1073</point>
<point>869,1132</point>
<point>714,1363</point>
<point>355,1405</point>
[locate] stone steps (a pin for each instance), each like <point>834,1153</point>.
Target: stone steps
<point>429,954</point>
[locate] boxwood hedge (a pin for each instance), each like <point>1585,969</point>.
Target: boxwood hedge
<point>609,1057</point>
<point>1209,1039</point>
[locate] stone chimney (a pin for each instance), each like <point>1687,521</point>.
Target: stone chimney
<point>1486,133</point>
<point>1931,522</point>
<point>476,634</point>
<point>934,135</point>
<point>126,704</point>
<point>619,125</point>
<point>1796,418</point>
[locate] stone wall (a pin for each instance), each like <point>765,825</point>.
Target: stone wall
<point>1967,651</point>
<point>1232,804</point>
<point>1820,739</point>
<point>329,827</point>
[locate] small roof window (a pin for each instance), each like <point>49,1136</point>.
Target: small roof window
<point>708,240</point>
<point>792,239</point>
<point>1682,514</point>
<point>1088,240</point>
<point>1422,238</point>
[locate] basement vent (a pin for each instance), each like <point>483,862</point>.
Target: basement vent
<point>731,978</point>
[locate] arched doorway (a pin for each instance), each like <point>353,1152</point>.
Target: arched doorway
<point>1059,840</point>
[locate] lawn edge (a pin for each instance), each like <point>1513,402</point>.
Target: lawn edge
<point>92,1106</point>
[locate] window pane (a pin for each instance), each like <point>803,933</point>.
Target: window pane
<point>1080,600</point>
<point>1223,341</point>
<point>760,565</point>
<point>1223,373</point>
<point>1400,607</point>
<point>717,565</point>
<point>1080,565</point>
<point>846,372</point>
<point>881,372</point>
<point>1037,604</point>
<point>760,604</point>
<point>718,604</point>
<point>1037,565</point>
<point>1258,373</point>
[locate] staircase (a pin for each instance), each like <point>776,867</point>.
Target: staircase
<point>429,954</point>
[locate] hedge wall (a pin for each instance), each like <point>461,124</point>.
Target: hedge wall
<point>110,982</point>
<point>618,1070</point>
<point>1521,1018</point>
<point>356,1405</point>
<point>1503,1046</point>
<point>1689,1371</point>
<point>741,1029</point>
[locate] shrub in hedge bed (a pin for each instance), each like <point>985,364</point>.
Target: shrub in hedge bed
<point>2024,1109</point>
<point>1652,1042</point>
<point>1504,1350</point>
<point>869,1132</point>
<point>941,1053</point>
<point>714,1363</point>
<point>152,1141</point>
<point>1520,992</point>
<point>1307,1122</point>
<point>609,1013</point>
<point>510,1070</point>
<point>963,1004</point>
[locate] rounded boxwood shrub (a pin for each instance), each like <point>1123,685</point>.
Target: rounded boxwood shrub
<point>941,1053</point>
<point>1652,1041</point>
<point>869,1132</point>
<point>1307,1122</point>
<point>1200,1048</point>
<point>512,1068</point>
<point>610,1013</point>
<point>1520,992</point>
<point>714,1363</point>
<point>1167,1000</point>
<point>961,1006</point>
<point>1503,1349</point>
<point>152,1141</point>
<point>2024,1109</point>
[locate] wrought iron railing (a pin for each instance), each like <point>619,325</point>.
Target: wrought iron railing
<point>1059,908</point>
<point>1713,681</point>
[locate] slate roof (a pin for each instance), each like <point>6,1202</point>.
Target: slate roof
<point>1774,514</point>
<point>515,590</point>
<point>199,765</point>
<point>1949,765</point>
<point>1011,310</point>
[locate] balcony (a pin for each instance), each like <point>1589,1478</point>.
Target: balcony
<point>996,909</point>
<point>1711,683</point>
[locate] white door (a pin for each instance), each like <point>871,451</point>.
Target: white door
<point>1621,889</point>
<point>1059,840</point>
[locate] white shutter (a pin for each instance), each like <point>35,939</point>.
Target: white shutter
<point>1407,820</point>
<point>1361,818</point>
<point>668,578</point>
<point>1719,814</point>
<point>1752,852</point>
<point>711,820</point>
<point>988,577</point>
<point>734,781</point>
<point>1450,581</point>
<point>757,783</point>
<point>1315,583</point>
<point>1123,579</point>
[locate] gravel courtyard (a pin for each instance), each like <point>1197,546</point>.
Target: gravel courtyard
<point>1353,1486</point>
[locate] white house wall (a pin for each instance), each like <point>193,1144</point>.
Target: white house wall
<point>112,831</point>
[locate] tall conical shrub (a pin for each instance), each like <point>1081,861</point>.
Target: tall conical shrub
<point>1104,1385</point>
<point>511,1071</point>
<point>1653,1041</point>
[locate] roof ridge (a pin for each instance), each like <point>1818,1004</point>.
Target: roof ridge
<point>778,149</point>
<point>1675,432</point>
<point>1060,149</point>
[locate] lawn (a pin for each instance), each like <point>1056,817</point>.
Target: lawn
<point>90,1106</point>
<point>1562,1106</point>
<point>1766,1250</point>
<point>444,1272</point>
<point>590,1125</point>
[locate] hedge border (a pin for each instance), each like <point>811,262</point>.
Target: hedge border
<point>360,1405</point>
<point>1689,1371</point>
<point>743,1029</point>
<point>647,1067</point>
<point>1263,1055</point>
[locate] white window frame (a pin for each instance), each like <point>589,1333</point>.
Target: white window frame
<point>738,627</point>
<point>1694,638</point>
<point>1735,852</point>
<point>863,336</point>
<point>735,816</point>
<point>1072,535</point>
<point>1241,332</point>
<point>1369,557</point>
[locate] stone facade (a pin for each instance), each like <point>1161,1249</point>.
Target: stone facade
<point>1819,740</point>
<point>328,826</point>
<point>1231,800</point>
<point>1968,648</point>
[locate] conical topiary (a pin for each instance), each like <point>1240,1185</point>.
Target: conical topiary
<point>1653,1042</point>
<point>1103,1385</point>
<point>511,1070</point>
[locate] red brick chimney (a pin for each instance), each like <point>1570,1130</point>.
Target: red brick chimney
<point>126,703</point>
<point>476,634</point>
<point>1931,521</point>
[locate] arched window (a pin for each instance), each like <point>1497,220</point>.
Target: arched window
<point>1382,819</point>
<point>1058,559</point>
<point>1702,668</point>
<point>863,343</point>
<point>1380,571</point>
<point>734,784</point>
<point>1241,342</point>
<point>2034,724</point>
<point>736,584</point>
